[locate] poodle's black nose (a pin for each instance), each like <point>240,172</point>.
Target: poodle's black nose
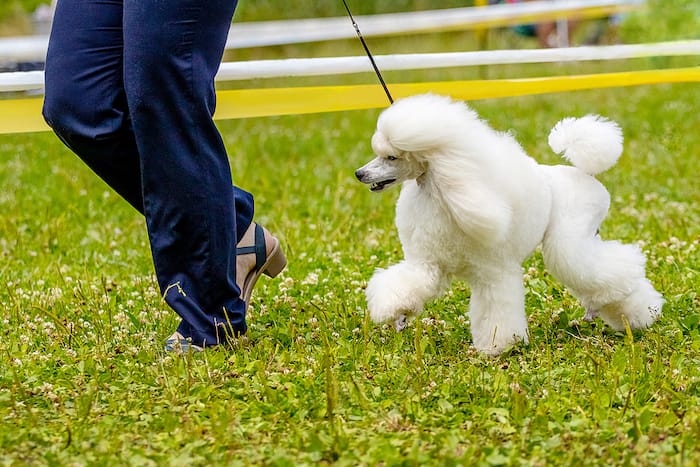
<point>358,174</point>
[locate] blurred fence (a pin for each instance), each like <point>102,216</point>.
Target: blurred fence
<point>23,114</point>
<point>269,33</point>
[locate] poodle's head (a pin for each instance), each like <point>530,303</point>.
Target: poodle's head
<point>411,133</point>
<point>391,166</point>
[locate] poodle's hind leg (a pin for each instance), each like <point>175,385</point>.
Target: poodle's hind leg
<point>401,291</point>
<point>608,277</point>
<point>497,313</point>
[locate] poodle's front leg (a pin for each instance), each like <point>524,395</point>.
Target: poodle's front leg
<point>401,291</point>
<point>497,313</point>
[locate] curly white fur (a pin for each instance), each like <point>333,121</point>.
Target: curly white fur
<point>474,206</point>
<point>591,143</point>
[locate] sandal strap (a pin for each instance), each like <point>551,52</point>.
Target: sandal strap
<point>258,248</point>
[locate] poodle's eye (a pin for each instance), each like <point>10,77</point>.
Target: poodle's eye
<point>392,158</point>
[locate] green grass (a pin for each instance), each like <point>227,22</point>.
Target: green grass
<point>84,380</point>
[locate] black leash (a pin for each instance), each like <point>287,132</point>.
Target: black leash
<point>369,54</point>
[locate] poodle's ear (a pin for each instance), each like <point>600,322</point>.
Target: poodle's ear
<point>478,211</point>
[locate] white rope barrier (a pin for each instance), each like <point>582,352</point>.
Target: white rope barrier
<point>297,67</point>
<point>21,81</point>
<point>268,33</point>
<point>342,65</point>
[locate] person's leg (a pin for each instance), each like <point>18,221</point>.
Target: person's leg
<point>84,100</point>
<point>171,56</point>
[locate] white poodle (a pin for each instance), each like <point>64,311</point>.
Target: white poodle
<point>474,206</point>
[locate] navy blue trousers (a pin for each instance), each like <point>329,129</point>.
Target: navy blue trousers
<point>130,89</point>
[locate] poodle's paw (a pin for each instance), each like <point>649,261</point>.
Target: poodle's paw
<point>590,315</point>
<point>391,295</point>
<point>639,310</point>
<point>400,323</point>
<point>384,311</point>
<point>496,342</point>
<point>494,349</point>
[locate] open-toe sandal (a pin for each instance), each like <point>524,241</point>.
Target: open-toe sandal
<point>269,264</point>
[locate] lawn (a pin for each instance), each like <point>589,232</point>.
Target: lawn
<point>84,379</point>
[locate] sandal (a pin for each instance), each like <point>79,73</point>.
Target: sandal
<point>270,264</point>
<point>179,344</point>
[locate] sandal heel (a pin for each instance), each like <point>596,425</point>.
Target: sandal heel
<point>276,262</point>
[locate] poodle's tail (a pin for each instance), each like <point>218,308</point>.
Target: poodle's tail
<point>591,143</point>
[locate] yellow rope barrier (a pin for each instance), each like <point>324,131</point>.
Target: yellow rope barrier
<point>24,115</point>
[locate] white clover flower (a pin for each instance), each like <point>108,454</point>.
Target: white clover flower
<point>311,279</point>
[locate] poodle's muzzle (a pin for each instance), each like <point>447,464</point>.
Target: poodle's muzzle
<point>383,172</point>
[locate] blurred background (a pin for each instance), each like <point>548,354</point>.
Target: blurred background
<point>649,22</point>
<point>659,20</point>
